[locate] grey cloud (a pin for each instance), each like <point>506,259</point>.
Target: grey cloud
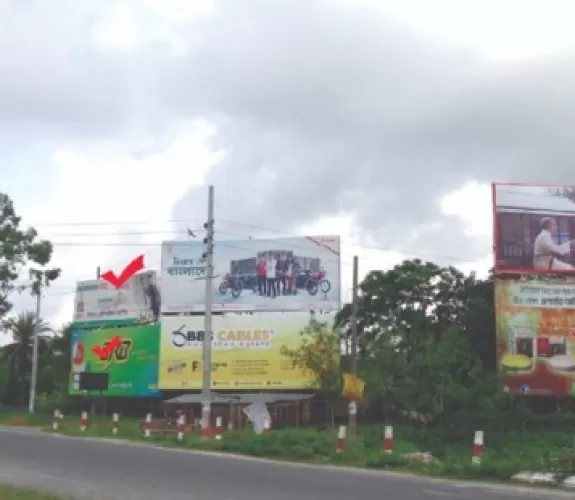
<point>324,102</point>
<point>54,84</point>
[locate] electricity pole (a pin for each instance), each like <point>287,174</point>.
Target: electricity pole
<point>36,341</point>
<point>207,344</point>
<point>353,324</point>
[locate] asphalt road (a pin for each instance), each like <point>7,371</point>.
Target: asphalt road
<point>106,470</point>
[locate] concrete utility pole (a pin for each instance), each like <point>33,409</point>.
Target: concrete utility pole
<point>353,324</point>
<point>207,344</point>
<point>36,341</point>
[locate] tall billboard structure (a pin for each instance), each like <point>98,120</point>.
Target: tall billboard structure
<point>535,332</point>
<point>287,274</point>
<point>246,351</point>
<point>534,229</point>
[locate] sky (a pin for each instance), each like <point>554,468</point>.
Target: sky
<point>383,121</point>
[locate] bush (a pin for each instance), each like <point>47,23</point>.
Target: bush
<point>287,444</point>
<point>387,461</point>
<point>561,463</point>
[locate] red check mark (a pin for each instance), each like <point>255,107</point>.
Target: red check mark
<point>132,268</point>
<point>103,352</point>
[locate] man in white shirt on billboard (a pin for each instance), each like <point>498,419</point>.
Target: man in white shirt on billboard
<point>546,252</point>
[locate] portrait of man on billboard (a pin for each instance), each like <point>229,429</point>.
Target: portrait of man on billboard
<point>547,254</point>
<point>534,228</point>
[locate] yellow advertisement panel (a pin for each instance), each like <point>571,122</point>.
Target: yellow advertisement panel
<point>535,327</point>
<point>245,351</point>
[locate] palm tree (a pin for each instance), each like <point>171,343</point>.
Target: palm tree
<point>18,353</point>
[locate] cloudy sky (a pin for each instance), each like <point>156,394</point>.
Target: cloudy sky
<point>383,121</point>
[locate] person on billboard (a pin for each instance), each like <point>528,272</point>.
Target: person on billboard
<point>281,267</point>
<point>546,253</point>
<point>261,274</point>
<point>289,277</point>
<point>271,275</point>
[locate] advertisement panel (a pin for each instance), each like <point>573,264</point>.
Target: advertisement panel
<point>246,351</point>
<point>98,303</point>
<point>534,228</point>
<point>132,364</point>
<point>535,329</point>
<point>261,275</point>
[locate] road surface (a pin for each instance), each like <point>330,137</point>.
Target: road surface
<point>105,470</point>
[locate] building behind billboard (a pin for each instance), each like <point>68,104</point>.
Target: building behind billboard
<point>132,367</point>
<point>535,332</point>
<point>246,351</point>
<point>287,274</point>
<point>533,229</point>
<point>97,303</point>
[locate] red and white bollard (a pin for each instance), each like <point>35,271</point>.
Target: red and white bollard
<point>219,428</point>
<point>206,429</point>
<point>340,439</point>
<point>84,421</point>
<point>388,439</point>
<point>477,448</point>
<point>148,425</point>
<point>56,419</point>
<point>181,427</point>
<point>115,423</point>
<point>267,425</point>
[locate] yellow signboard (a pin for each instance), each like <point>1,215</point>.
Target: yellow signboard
<point>245,351</point>
<point>353,387</point>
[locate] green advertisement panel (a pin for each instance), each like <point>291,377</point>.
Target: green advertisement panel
<point>129,355</point>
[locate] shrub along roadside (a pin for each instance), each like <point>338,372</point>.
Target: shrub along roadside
<point>546,451</point>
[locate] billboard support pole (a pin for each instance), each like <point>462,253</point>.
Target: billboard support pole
<point>207,344</point>
<point>352,404</point>
<point>34,376</point>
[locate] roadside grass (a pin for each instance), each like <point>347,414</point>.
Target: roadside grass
<point>11,493</point>
<point>506,454</point>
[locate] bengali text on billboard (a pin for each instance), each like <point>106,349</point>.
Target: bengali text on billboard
<point>534,228</point>
<point>246,351</point>
<point>98,303</point>
<point>535,332</point>
<point>260,275</point>
<point>132,366</point>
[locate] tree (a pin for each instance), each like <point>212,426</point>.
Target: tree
<point>18,354</point>
<point>427,341</point>
<point>319,353</point>
<point>19,247</point>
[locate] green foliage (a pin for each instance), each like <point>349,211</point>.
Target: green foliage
<point>427,347</point>
<point>561,463</point>
<point>319,353</point>
<point>19,247</point>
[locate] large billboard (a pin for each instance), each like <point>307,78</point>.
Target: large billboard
<point>246,351</point>
<point>98,303</point>
<point>534,228</point>
<point>535,329</point>
<point>132,364</point>
<point>259,275</point>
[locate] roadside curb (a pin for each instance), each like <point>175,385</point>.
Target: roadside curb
<point>543,478</point>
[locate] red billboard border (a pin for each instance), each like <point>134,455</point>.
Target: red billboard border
<point>514,270</point>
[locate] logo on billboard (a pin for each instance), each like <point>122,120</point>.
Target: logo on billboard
<point>183,338</point>
<point>225,338</point>
<point>119,354</point>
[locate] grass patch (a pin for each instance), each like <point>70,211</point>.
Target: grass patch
<point>11,493</point>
